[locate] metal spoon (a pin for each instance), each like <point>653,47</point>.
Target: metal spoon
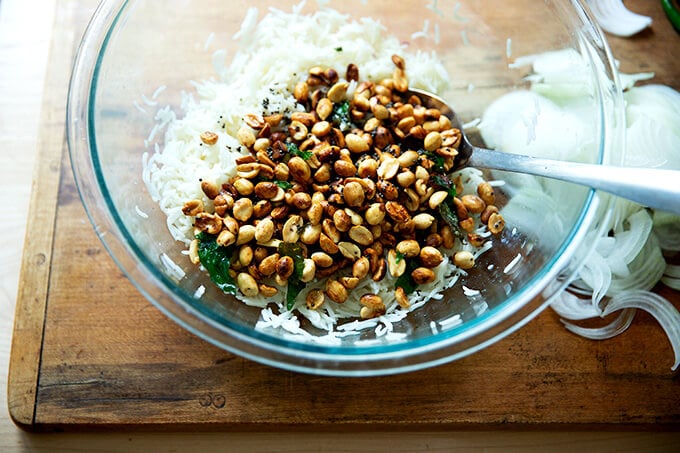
<point>655,188</point>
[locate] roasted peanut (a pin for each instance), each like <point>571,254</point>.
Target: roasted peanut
<point>268,264</point>
<point>309,234</point>
<point>245,255</point>
<point>353,193</point>
<point>301,92</point>
<point>360,267</point>
<point>375,214</point>
<point>308,270</point>
<point>342,220</point>
<point>373,306</point>
<point>210,189</point>
<point>356,144</point>
<point>247,285</point>
<point>336,292</point>
<point>388,168</point>
<point>291,227</point>
<point>193,252</point>
<point>486,193</point>
<point>395,263</point>
<point>467,225</point>
<point>262,209</point>
<point>209,138</point>
<point>486,214</point>
<point>464,259</point>
<point>192,207</point>
<point>437,198</point>
<point>322,259</point>
<point>266,190</point>
<point>349,250</point>
<point>324,108</point>
<point>210,223</point>
<point>285,267</point>
<point>354,217</point>
<point>243,209</point>
<point>473,203</point>
<point>337,92</point>
<point>423,221</point>
<point>329,229</point>
<point>301,200</point>
<point>433,140</point>
<point>496,223</point>
<point>315,299</point>
<point>361,235</point>
<point>401,297</point>
<point>408,248</point>
<point>422,275</point>
<point>397,212</point>
<point>430,257</point>
<point>264,230</point>
<point>367,168</point>
<point>299,169</point>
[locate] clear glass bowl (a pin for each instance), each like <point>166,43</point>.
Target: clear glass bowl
<point>131,48</point>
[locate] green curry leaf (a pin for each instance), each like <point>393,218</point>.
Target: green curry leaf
<point>295,285</point>
<point>293,150</point>
<point>405,281</point>
<point>216,260</point>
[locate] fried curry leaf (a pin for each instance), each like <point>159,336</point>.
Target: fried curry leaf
<point>216,260</point>
<point>295,151</point>
<point>445,183</point>
<point>285,185</point>
<point>438,162</point>
<point>295,285</point>
<point>449,215</point>
<point>405,280</point>
<point>446,208</point>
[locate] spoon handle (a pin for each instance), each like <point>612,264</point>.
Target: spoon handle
<point>652,187</point>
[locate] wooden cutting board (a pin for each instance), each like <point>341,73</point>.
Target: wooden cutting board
<point>90,352</point>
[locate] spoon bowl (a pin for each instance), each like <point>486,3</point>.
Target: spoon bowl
<point>651,187</point>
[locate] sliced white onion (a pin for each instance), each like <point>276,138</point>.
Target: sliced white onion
<point>628,81</point>
<point>653,120</point>
<point>616,270</point>
<point>597,274</point>
<point>614,328</point>
<point>667,230</point>
<point>616,19</point>
<point>569,306</point>
<point>645,271</point>
<point>660,308</point>
<point>671,277</point>
<point>524,122</point>
<point>629,242</point>
<point>657,101</point>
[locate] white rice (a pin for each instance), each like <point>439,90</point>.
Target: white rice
<point>275,53</point>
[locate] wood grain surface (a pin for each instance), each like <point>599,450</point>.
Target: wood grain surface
<point>89,352</point>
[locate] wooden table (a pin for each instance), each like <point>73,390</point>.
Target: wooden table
<point>24,56</point>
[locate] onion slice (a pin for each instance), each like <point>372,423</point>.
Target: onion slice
<point>569,306</point>
<point>671,277</point>
<point>616,19</point>
<point>660,308</point>
<point>614,328</point>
